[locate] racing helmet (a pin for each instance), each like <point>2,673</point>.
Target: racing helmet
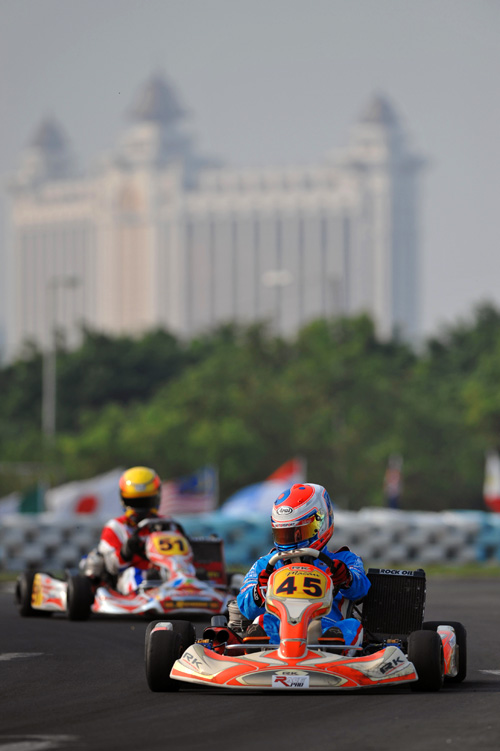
<point>140,492</point>
<point>302,517</point>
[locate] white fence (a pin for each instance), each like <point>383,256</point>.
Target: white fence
<point>399,538</point>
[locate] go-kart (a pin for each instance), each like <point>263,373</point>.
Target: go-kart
<point>186,575</point>
<point>411,652</point>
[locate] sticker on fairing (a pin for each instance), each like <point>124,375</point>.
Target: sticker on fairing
<point>303,585</point>
<point>290,680</point>
<point>37,591</point>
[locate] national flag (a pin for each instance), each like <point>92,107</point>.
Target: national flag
<point>259,498</point>
<point>196,493</point>
<point>32,500</point>
<point>292,471</point>
<point>29,501</point>
<point>491,487</point>
<point>99,496</point>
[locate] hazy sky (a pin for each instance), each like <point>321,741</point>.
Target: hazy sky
<point>280,82</point>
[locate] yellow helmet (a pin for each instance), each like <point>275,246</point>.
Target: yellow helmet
<point>140,490</point>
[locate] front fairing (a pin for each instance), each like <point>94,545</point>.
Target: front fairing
<point>297,594</point>
<point>171,554</point>
<point>186,595</point>
<point>316,670</point>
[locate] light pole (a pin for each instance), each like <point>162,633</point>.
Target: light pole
<point>49,374</point>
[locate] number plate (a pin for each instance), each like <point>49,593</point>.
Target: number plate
<point>170,544</point>
<point>303,585</point>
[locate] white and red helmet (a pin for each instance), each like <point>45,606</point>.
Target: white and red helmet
<point>302,517</point>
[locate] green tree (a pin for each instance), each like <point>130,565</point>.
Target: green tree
<point>246,400</point>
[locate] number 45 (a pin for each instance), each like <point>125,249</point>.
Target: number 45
<point>310,586</point>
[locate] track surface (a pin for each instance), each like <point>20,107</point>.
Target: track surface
<point>82,686</point>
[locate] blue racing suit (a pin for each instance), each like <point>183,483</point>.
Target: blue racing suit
<point>350,627</point>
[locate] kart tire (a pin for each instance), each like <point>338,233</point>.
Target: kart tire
<point>234,583</point>
<point>79,598</point>
<point>425,651</point>
<point>218,621</point>
<point>461,634</point>
<point>185,629</point>
<point>162,649</point>
<point>24,588</point>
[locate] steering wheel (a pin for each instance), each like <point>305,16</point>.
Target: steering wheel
<point>162,525</point>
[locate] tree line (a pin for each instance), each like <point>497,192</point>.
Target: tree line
<point>245,400</point>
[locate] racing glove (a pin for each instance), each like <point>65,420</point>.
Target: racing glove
<point>133,546</point>
<point>259,594</point>
<point>340,575</point>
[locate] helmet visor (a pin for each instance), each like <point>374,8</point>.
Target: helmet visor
<point>142,504</point>
<point>307,530</point>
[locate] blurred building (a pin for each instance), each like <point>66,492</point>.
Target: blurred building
<point>158,236</point>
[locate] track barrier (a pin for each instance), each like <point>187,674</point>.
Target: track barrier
<point>387,536</point>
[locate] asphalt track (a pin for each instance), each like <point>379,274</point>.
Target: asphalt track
<point>82,686</point>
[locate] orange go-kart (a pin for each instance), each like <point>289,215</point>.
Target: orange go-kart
<point>406,651</point>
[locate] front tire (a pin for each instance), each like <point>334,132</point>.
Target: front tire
<point>185,629</point>
<point>79,598</point>
<point>425,651</point>
<point>461,635</point>
<point>162,649</point>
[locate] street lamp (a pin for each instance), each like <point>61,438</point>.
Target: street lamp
<point>49,354</point>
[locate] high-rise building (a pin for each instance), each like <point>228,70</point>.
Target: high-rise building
<point>159,236</point>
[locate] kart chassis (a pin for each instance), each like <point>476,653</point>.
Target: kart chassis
<point>394,631</point>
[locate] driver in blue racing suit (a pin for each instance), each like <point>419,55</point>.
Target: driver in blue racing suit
<point>302,517</point>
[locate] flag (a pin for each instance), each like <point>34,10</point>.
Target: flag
<point>491,488</point>
<point>99,496</point>
<point>9,504</point>
<point>193,494</point>
<point>292,471</point>
<point>259,498</point>
<point>30,501</point>
<point>393,481</point>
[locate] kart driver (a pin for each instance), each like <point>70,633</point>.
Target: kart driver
<point>121,546</point>
<point>302,517</point>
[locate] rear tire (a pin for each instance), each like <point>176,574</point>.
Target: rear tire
<point>234,583</point>
<point>79,598</point>
<point>24,589</point>
<point>425,651</point>
<point>162,649</point>
<point>218,621</point>
<point>461,635</point>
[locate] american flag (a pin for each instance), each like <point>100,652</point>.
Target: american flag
<point>193,494</point>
